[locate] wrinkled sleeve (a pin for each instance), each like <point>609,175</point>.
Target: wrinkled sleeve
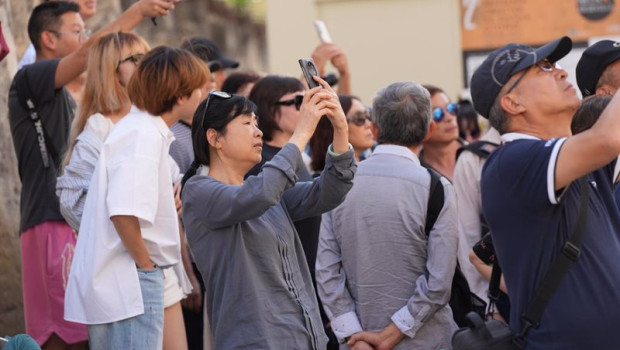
<point>72,186</point>
<point>326,192</point>
<point>219,205</point>
<point>432,291</point>
<point>331,283</point>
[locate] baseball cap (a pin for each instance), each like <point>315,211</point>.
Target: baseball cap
<point>593,62</point>
<point>209,52</point>
<point>504,62</point>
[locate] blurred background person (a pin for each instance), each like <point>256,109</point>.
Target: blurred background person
<point>208,50</point>
<point>439,151</point>
<point>467,118</point>
<point>360,132</point>
<point>240,83</point>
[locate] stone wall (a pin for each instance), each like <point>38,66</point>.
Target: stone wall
<point>238,36</point>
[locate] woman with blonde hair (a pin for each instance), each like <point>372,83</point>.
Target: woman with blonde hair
<point>111,63</point>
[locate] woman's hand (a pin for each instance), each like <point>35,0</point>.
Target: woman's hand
<point>317,102</point>
<point>338,119</point>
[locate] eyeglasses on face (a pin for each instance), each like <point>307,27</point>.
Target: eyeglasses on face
<point>84,33</point>
<point>136,58</point>
<point>297,100</point>
<point>544,65</point>
<point>359,118</point>
<point>213,95</point>
<point>439,113</point>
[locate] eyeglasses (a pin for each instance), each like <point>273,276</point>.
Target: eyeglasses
<point>136,58</point>
<point>297,100</point>
<point>544,65</point>
<point>359,118</point>
<point>84,33</point>
<point>213,94</point>
<point>439,113</point>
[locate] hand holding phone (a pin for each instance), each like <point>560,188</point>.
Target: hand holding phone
<point>308,68</point>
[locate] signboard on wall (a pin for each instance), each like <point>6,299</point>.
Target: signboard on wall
<point>489,24</point>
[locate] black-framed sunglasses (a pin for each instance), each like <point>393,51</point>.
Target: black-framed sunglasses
<point>136,58</point>
<point>297,100</point>
<point>439,113</point>
<point>359,118</point>
<point>544,65</point>
<point>213,94</point>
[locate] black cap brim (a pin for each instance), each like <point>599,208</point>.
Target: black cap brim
<point>228,63</point>
<point>553,51</point>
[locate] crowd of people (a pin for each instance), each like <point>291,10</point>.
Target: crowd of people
<point>169,202</point>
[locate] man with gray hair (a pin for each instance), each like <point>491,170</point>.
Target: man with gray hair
<point>382,280</point>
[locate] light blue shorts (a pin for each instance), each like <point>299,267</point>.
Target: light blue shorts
<point>140,332</point>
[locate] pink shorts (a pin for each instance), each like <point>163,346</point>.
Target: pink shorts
<point>47,251</point>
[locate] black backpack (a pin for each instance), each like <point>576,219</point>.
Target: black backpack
<point>462,300</point>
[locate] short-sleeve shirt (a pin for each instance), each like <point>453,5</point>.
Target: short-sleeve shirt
<point>133,178</point>
<point>530,222</point>
<point>56,109</point>
<point>181,149</point>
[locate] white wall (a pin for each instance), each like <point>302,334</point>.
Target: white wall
<point>386,40</point>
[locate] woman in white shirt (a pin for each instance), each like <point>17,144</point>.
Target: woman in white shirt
<point>111,63</point>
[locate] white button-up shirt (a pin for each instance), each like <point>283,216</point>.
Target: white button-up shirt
<point>132,178</point>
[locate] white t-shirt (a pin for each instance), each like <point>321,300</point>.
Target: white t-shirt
<point>132,177</point>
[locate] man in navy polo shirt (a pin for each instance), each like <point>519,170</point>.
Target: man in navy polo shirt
<point>530,196</point>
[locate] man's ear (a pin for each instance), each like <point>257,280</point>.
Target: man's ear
<point>48,40</point>
<point>431,129</point>
<point>511,105</point>
<point>213,138</point>
<point>605,89</point>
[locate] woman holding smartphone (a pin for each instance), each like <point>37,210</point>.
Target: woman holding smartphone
<point>258,286</point>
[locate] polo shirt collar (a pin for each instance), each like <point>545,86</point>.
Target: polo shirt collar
<point>400,151</point>
<point>512,136</point>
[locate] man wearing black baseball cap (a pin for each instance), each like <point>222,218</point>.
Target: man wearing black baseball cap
<point>598,69</point>
<point>530,198</point>
<point>210,52</point>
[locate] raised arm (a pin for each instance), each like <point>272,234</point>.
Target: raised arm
<point>74,64</point>
<point>592,149</point>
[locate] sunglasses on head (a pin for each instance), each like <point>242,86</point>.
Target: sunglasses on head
<point>213,95</point>
<point>359,118</point>
<point>439,113</point>
<point>133,58</point>
<point>297,100</point>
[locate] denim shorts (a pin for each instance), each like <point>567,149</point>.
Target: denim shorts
<point>140,332</point>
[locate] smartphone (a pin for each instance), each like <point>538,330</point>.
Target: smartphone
<point>321,29</point>
<point>309,70</point>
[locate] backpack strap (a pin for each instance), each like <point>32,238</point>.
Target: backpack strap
<point>482,149</point>
<point>24,95</point>
<point>435,201</point>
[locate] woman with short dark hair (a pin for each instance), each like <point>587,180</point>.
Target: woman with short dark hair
<point>258,286</point>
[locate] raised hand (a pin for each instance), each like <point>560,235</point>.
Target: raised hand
<point>156,8</point>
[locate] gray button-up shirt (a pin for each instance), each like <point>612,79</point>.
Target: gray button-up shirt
<point>375,264</point>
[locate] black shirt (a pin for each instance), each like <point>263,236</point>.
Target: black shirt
<point>56,110</point>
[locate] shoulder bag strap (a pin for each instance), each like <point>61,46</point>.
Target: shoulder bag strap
<point>569,254</point>
<point>47,151</point>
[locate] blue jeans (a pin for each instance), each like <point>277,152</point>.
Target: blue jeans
<point>140,332</point>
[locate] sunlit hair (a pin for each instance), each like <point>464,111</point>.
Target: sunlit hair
<point>103,91</point>
<point>164,75</point>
